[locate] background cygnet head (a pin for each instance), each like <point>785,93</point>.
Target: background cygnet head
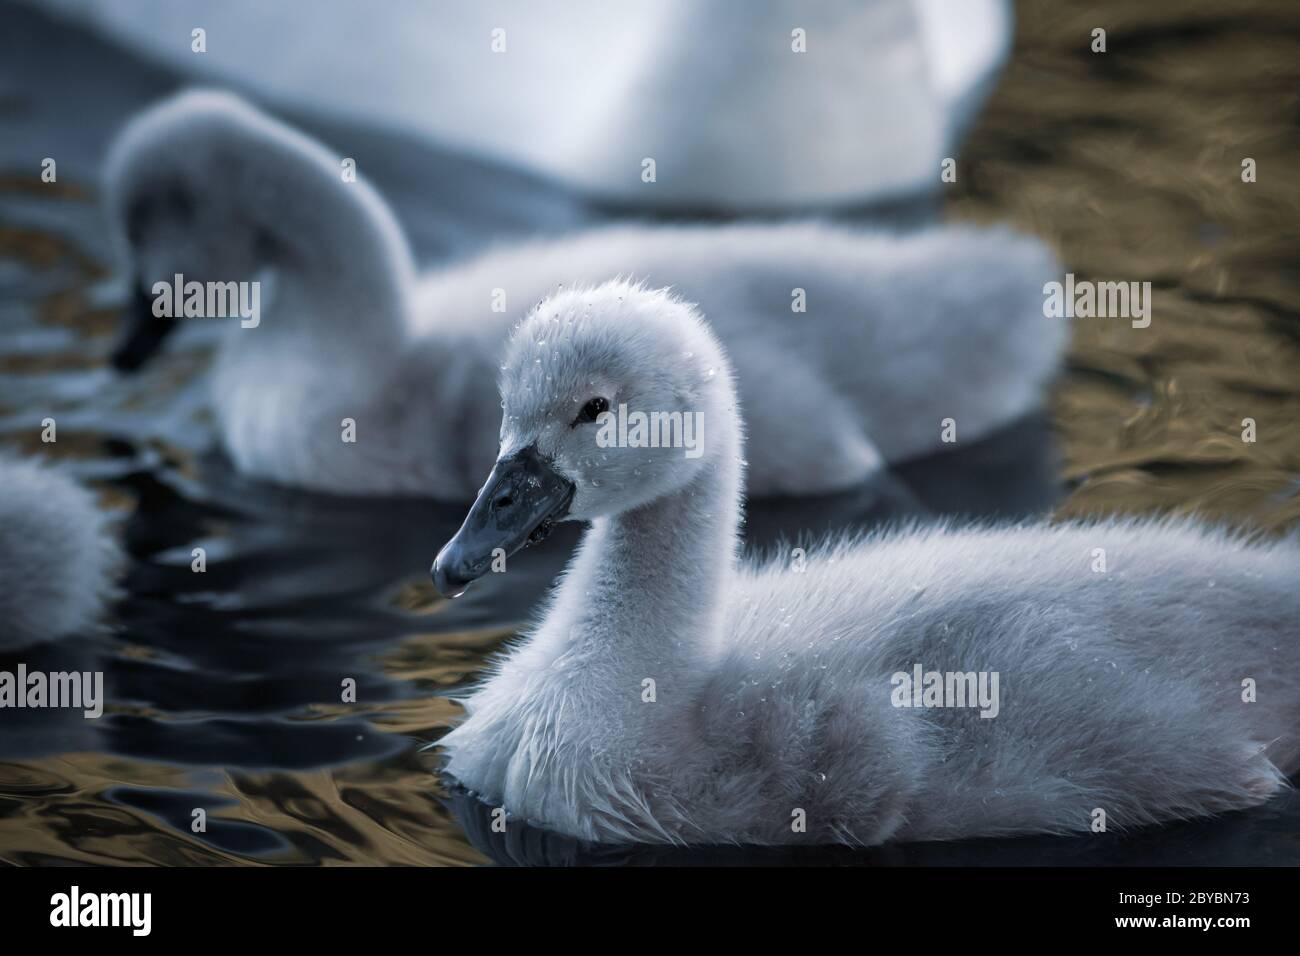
<point>190,188</point>
<point>613,397</point>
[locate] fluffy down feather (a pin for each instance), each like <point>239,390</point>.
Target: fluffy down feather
<point>773,683</point>
<point>56,555</point>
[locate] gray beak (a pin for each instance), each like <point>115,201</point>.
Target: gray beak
<point>144,333</point>
<point>520,503</point>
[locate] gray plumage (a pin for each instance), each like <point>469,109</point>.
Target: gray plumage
<point>1121,689</point>
<point>899,332</point>
<point>56,554</point>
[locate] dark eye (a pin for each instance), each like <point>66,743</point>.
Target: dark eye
<point>173,202</point>
<point>265,246</point>
<point>591,410</point>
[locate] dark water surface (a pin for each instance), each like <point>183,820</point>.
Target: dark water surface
<point>225,687</point>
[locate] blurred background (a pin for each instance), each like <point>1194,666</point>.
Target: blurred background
<point>223,688</point>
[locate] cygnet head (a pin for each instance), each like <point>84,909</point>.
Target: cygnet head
<point>192,188</point>
<point>611,397</point>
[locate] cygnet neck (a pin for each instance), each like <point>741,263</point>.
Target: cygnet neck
<point>341,262</point>
<point>645,595</point>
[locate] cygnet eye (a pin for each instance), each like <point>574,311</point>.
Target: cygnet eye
<point>173,202</point>
<point>591,411</point>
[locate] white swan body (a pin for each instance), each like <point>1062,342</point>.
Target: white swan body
<point>56,555</point>
<point>713,90</point>
<point>670,694</point>
<point>868,341</point>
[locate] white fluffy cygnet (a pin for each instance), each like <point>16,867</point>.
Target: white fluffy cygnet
<point>851,349</point>
<point>672,693</point>
<point>57,556</point>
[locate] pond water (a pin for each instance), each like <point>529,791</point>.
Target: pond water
<point>224,687</point>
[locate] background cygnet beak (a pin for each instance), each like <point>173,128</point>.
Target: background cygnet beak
<point>143,333</point>
<point>523,498</point>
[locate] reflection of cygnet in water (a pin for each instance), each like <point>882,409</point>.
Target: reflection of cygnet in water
<point>851,349</point>
<point>56,555</point>
<point>672,694</point>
